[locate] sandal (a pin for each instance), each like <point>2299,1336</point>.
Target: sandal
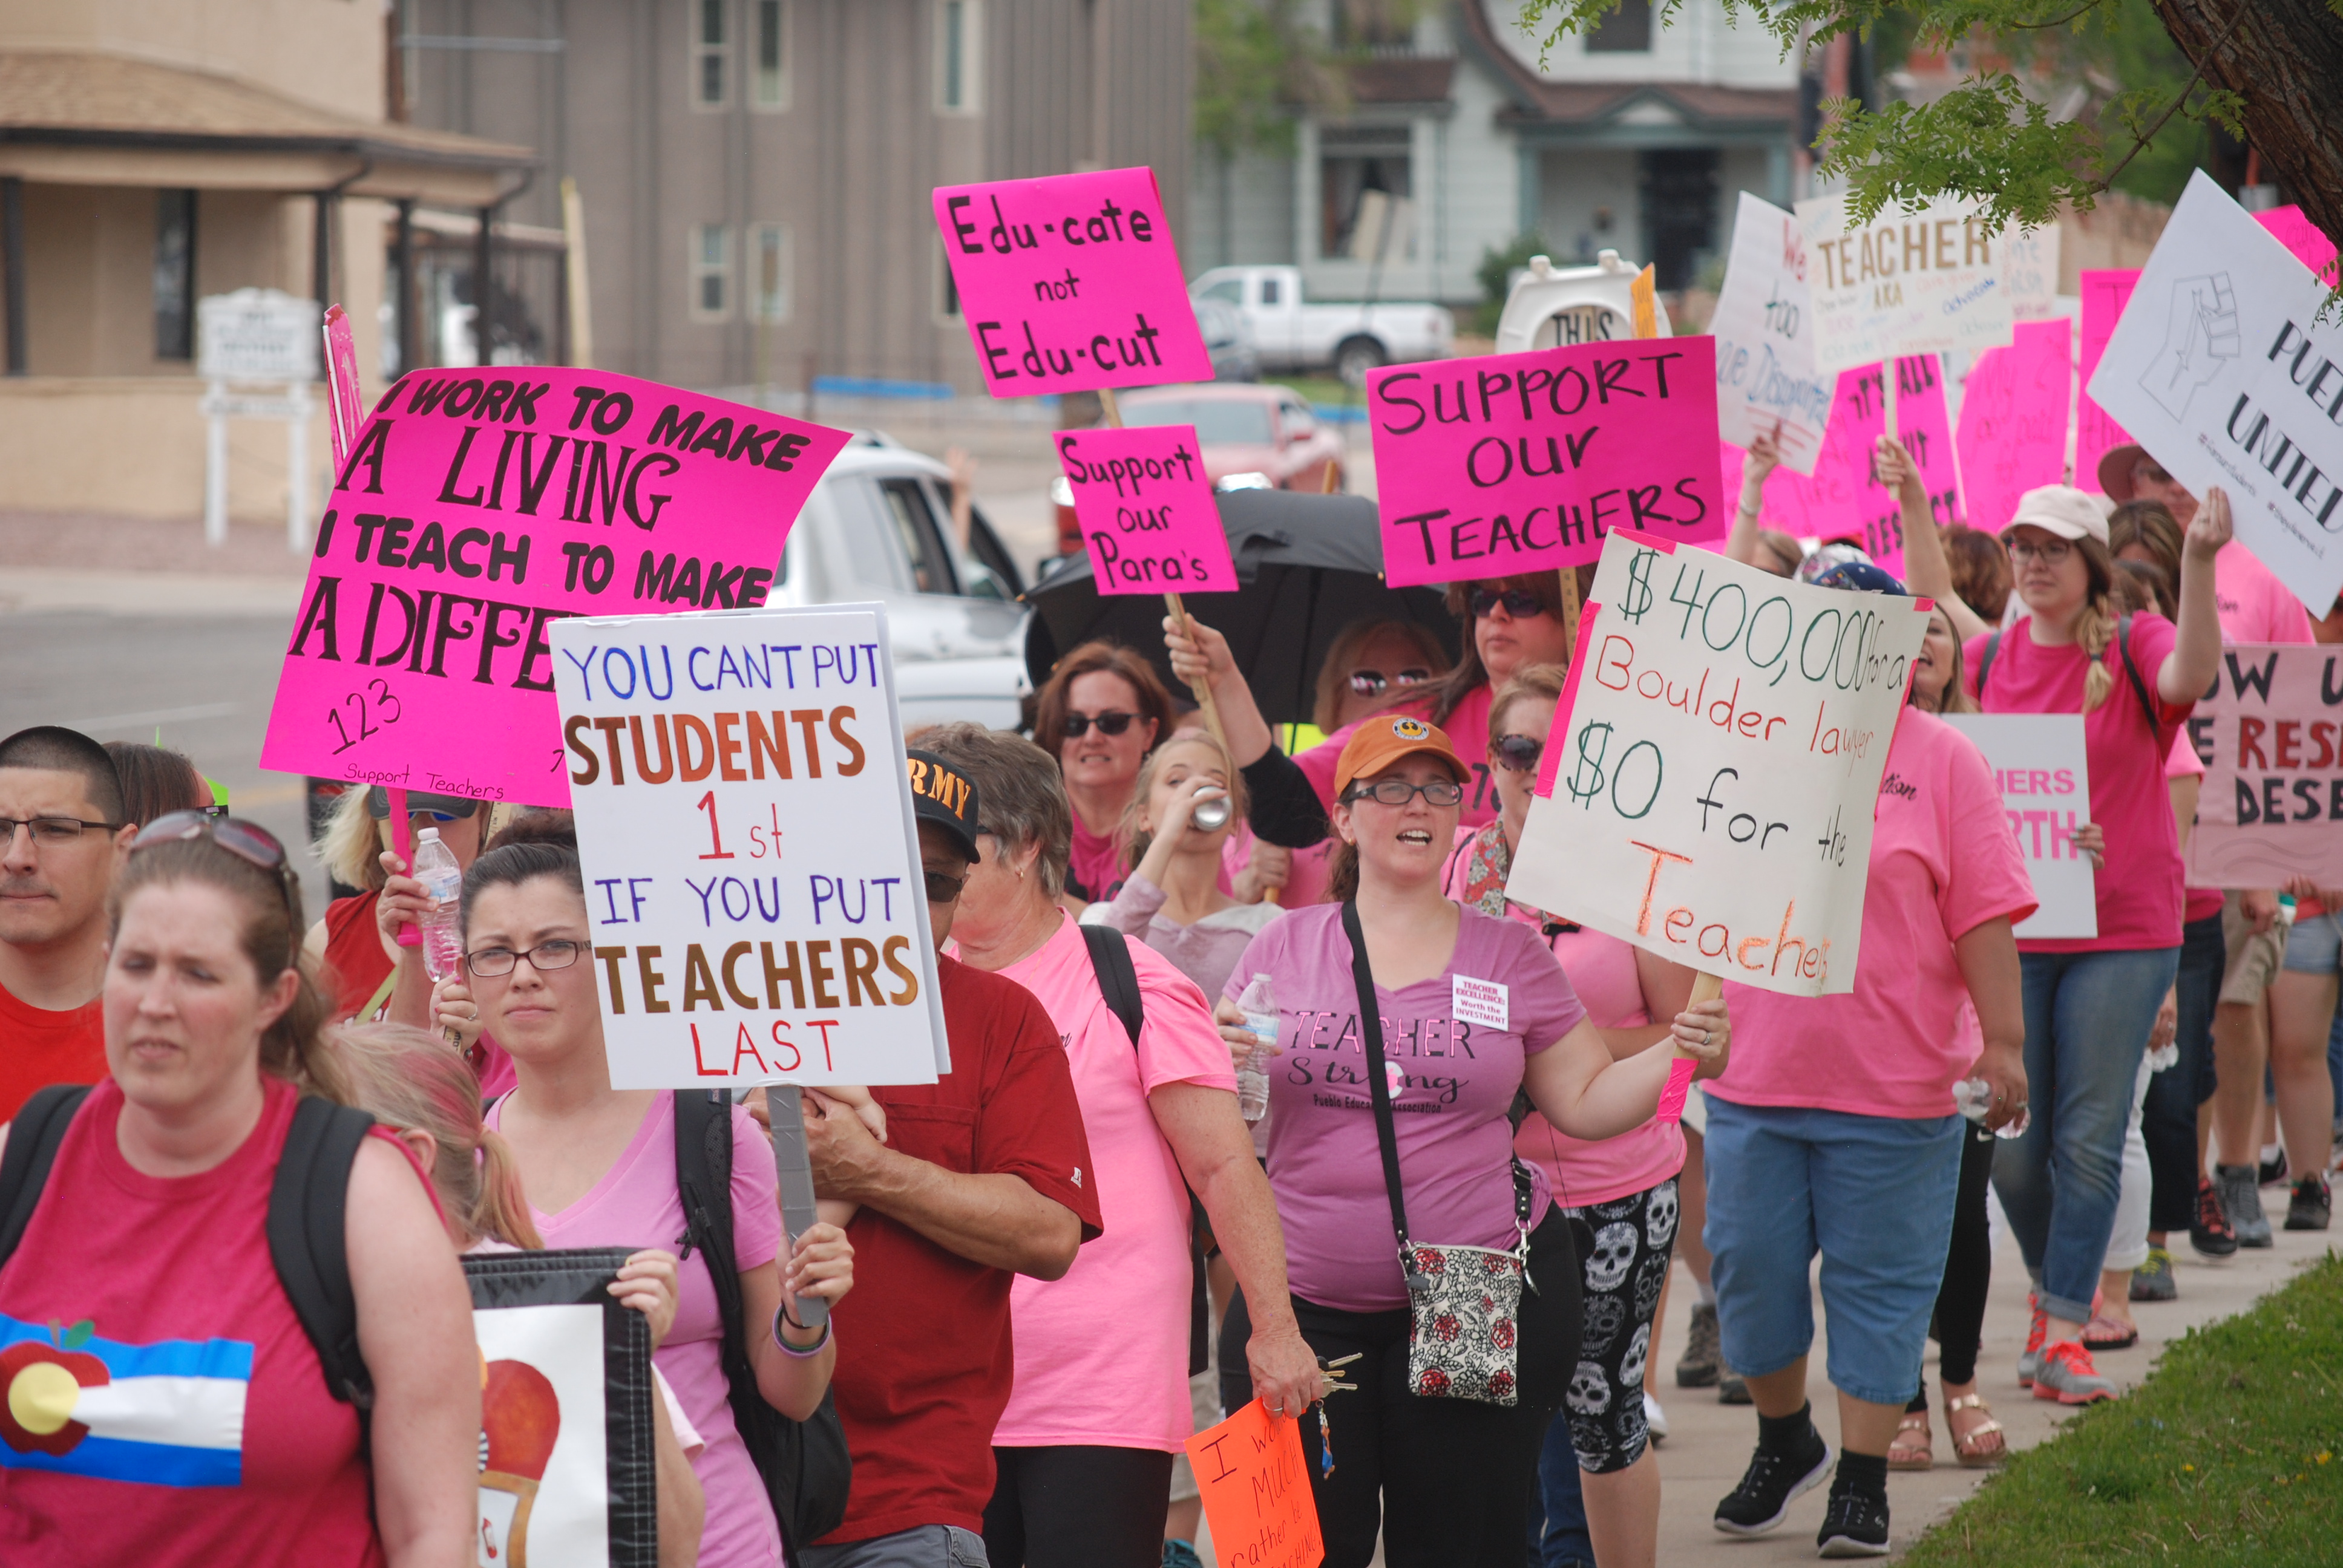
<point>1913,1453</point>
<point>2106,1333</point>
<point>1981,1447</point>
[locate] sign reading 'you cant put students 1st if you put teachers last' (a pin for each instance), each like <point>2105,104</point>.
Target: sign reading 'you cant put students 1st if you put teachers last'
<point>752,866</point>
<point>475,509</point>
<point>1716,762</point>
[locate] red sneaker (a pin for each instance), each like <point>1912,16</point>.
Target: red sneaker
<point>2065,1374</point>
<point>2032,1358</point>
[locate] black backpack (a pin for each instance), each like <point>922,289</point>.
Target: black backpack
<point>1118,979</point>
<point>307,1206</point>
<point>805,1464</point>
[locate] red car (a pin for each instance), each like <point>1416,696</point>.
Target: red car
<point>1252,435</point>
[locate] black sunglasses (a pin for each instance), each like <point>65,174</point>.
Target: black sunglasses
<point>1518,752</point>
<point>249,841</point>
<point>1077,725</point>
<point>1374,683</point>
<point>1520,603</point>
<point>440,808</point>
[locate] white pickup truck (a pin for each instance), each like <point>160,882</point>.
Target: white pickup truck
<point>1292,334</point>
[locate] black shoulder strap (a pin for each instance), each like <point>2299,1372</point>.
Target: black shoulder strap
<point>1985,663</point>
<point>703,1180</point>
<point>1371,1034</point>
<point>308,1241</point>
<point>33,1138</point>
<point>1118,977</point>
<point>2138,687</point>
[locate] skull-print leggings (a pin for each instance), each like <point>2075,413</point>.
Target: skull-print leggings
<point>1621,1273</point>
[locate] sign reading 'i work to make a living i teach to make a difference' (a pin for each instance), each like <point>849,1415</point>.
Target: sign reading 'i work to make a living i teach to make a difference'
<point>475,510</point>
<point>1526,462</point>
<point>1146,510</point>
<point>1716,761</point>
<point>752,867</point>
<point>1070,283</point>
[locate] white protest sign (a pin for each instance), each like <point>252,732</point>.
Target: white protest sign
<point>1924,282</point>
<point>2271,735</point>
<point>256,335</point>
<point>2223,371</point>
<point>752,866</point>
<point>2038,764</point>
<point>1764,328</point>
<point>2030,271</point>
<point>1716,762</point>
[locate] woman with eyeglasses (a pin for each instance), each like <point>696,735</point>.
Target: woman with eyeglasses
<point>1626,1187</point>
<point>184,1419</point>
<point>1472,1009</point>
<point>1515,622</point>
<point>599,1167</point>
<point>1103,710</point>
<point>2090,1002</point>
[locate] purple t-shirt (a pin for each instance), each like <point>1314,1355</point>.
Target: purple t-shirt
<point>1455,1144</point>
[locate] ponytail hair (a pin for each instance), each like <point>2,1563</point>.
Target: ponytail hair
<point>411,1082</point>
<point>2094,627</point>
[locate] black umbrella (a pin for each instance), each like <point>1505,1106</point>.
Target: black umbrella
<point>1307,566</point>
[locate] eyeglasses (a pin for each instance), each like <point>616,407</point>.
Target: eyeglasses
<point>1399,792</point>
<point>1520,603</point>
<point>2053,554</point>
<point>544,958</point>
<point>1077,725</point>
<point>52,830</point>
<point>1518,752</point>
<point>1374,683</point>
<point>250,843</point>
<point>943,888</point>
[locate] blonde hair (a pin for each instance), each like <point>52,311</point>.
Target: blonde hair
<point>1137,841</point>
<point>2094,627</point>
<point>1540,681</point>
<point>411,1082</point>
<point>1335,669</point>
<point>350,848</point>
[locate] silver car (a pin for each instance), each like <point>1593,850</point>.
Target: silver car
<point>878,527</point>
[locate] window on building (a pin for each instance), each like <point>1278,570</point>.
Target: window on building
<point>768,260</point>
<point>959,57</point>
<point>711,272</point>
<point>947,288</point>
<point>711,50</point>
<point>1626,31</point>
<point>772,45</point>
<point>175,275</point>
<point>1363,174</point>
<point>1385,26</point>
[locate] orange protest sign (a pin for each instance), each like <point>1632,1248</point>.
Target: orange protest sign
<point>1256,1491</point>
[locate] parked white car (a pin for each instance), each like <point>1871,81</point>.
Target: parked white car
<point>878,527</point>
<point>1289,333</point>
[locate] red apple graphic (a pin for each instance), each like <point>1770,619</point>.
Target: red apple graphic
<point>520,1423</point>
<point>34,1394</point>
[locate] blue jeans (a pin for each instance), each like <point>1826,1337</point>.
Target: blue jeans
<point>1872,1194</point>
<point>1558,1532</point>
<point>2087,1016</point>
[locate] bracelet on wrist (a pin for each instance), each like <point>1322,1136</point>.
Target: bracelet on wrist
<point>781,1316</point>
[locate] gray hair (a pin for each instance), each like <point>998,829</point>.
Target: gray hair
<point>1022,792</point>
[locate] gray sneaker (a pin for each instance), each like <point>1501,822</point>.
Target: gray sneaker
<point>1703,1355</point>
<point>2241,1201</point>
<point>2065,1373</point>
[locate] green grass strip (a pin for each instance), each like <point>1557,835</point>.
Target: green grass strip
<point>2231,1452</point>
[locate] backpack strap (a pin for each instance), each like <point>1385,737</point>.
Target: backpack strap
<point>1118,977</point>
<point>307,1238</point>
<point>34,1139</point>
<point>2138,687</point>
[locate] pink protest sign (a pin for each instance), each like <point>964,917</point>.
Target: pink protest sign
<point>1146,510</point>
<point>1070,283</point>
<point>1858,418</point>
<point>2013,434</point>
<point>478,507</point>
<point>2300,235</point>
<point>1525,462</point>
<point>2105,295</point>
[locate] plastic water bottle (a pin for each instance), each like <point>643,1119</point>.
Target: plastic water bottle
<point>1973,1099</point>
<point>1257,1002</point>
<point>443,884</point>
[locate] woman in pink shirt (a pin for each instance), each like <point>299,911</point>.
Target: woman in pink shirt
<point>1103,711</point>
<point>1626,1187</point>
<point>1100,1400</point>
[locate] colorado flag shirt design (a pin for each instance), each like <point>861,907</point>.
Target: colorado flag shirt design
<point>169,1414</point>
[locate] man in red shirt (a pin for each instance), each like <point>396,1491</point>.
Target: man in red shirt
<point>985,1175</point>
<point>61,807</point>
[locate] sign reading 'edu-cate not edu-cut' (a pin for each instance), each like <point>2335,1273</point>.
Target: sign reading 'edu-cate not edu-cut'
<point>475,509</point>
<point>752,867</point>
<point>1717,758</point>
<point>1527,462</point>
<point>1070,283</point>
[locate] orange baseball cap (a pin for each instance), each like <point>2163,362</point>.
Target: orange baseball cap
<point>1385,738</point>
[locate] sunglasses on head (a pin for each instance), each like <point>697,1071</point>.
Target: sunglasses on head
<point>1374,683</point>
<point>1520,603</point>
<point>1518,752</point>
<point>248,841</point>
<point>1077,725</point>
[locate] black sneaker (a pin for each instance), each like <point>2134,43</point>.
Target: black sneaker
<point>2273,1168</point>
<point>2210,1233</point>
<point>2311,1206</point>
<point>1772,1479</point>
<point>1856,1526</point>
